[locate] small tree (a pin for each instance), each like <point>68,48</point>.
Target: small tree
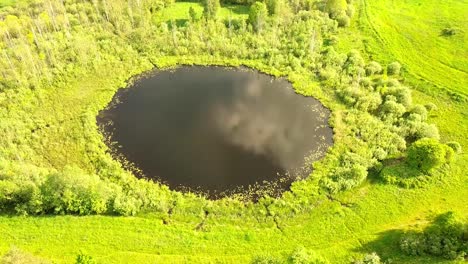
<point>193,14</point>
<point>303,256</point>
<point>394,68</point>
<point>273,6</point>
<point>211,8</point>
<point>427,153</point>
<point>372,258</point>
<point>343,20</point>
<point>335,7</point>
<point>258,15</point>
<point>373,68</point>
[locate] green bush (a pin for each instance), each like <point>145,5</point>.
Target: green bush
<point>258,15</point>
<point>372,258</point>
<point>84,259</point>
<point>373,68</point>
<point>457,148</point>
<point>430,107</point>
<point>16,256</point>
<point>211,8</point>
<point>303,256</point>
<point>404,176</point>
<point>446,236</point>
<point>266,259</point>
<point>394,68</point>
<point>343,20</point>
<point>73,191</point>
<point>427,153</point>
<point>336,7</point>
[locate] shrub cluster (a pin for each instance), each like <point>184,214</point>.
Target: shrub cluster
<point>423,158</point>
<point>447,237</point>
<point>298,256</point>
<point>25,189</point>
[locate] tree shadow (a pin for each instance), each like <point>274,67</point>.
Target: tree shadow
<point>387,246</point>
<point>177,23</point>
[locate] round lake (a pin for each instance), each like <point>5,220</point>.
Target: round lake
<point>215,129</point>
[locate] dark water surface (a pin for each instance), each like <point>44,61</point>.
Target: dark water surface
<point>216,129</point>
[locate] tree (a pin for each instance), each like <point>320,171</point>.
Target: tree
<point>273,6</point>
<point>373,68</point>
<point>394,68</point>
<point>258,15</point>
<point>343,20</point>
<point>303,256</point>
<point>446,237</point>
<point>193,14</point>
<point>372,258</point>
<point>336,7</point>
<point>210,8</point>
<point>427,153</point>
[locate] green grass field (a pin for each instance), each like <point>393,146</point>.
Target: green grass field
<point>4,3</point>
<point>411,32</point>
<point>407,31</point>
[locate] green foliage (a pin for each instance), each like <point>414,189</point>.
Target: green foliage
<point>211,8</point>
<point>193,14</point>
<point>336,7</point>
<point>73,191</point>
<point>372,258</point>
<point>446,236</point>
<point>84,259</point>
<point>405,176</point>
<point>394,68</point>
<point>426,154</point>
<point>258,15</point>
<point>266,259</point>
<point>16,256</point>
<point>457,148</point>
<point>303,256</point>
<point>373,68</point>
<point>343,20</point>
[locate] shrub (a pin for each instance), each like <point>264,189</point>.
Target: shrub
<point>335,7</point>
<point>73,191</point>
<point>273,6</point>
<point>457,148</point>
<point>193,14</point>
<point>211,8</point>
<point>448,32</point>
<point>430,107</point>
<point>400,94</point>
<point>420,110</point>
<point>350,10</point>
<point>427,153</point>
<point>304,256</point>
<point>257,16</point>
<point>16,256</point>
<point>447,237</point>
<point>372,258</point>
<point>343,20</point>
<point>126,205</point>
<point>404,176</point>
<point>266,259</point>
<point>394,68</point>
<point>373,68</point>
<point>84,259</point>
<point>391,111</point>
